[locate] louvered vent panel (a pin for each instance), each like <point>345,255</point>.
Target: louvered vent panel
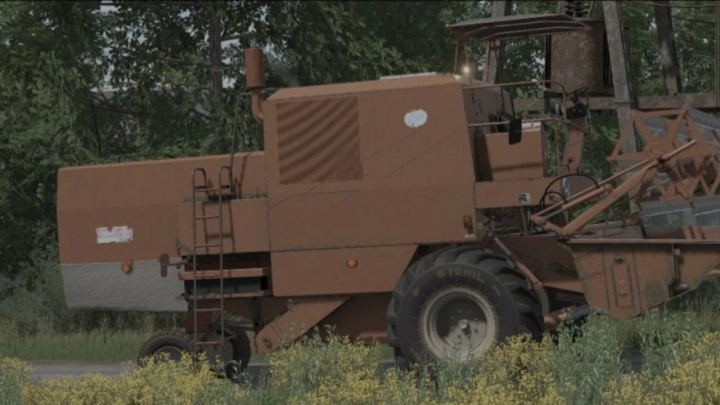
<point>319,141</point>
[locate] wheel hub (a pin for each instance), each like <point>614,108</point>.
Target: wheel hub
<point>458,322</point>
<point>173,353</point>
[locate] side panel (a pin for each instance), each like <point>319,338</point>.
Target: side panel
<point>105,286</point>
<point>327,272</point>
<point>377,168</point>
<point>110,215</point>
<point>140,201</point>
<point>551,263</point>
<point>514,193</point>
<point>362,317</point>
<point>625,280</point>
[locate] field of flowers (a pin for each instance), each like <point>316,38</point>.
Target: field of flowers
<point>680,366</point>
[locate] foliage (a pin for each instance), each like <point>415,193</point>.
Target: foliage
<point>158,66</point>
<point>573,369</point>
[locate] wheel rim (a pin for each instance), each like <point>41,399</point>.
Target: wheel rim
<point>174,353</point>
<point>458,322</point>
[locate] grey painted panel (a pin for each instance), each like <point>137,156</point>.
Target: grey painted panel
<point>104,286</point>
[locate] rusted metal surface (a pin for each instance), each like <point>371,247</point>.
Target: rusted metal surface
<point>300,317</point>
<point>500,161</point>
<point>574,146</point>
<point>578,59</point>
<point>326,272</point>
<point>700,101</point>
<point>696,167</point>
<point>140,201</point>
<point>255,80</point>
<point>646,172</point>
<point>550,262</point>
<point>370,327</point>
<point>516,26</point>
<point>629,276</point>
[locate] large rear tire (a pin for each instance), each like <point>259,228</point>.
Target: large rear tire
<point>456,303</point>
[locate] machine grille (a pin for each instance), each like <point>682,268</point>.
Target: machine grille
<point>319,141</point>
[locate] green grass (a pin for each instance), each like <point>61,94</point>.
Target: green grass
<point>29,331</point>
<point>78,346</point>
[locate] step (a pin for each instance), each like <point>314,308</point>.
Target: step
<point>208,310</point>
<point>213,296</point>
<point>210,343</point>
<point>200,218</point>
<point>212,189</point>
<point>226,274</point>
<point>211,245</point>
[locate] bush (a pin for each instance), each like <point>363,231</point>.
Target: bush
<point>577,367</point>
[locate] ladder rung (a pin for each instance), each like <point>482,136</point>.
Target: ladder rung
<point>208,310</point>
<point>211,343</point>
<point>213,296</point>
<point>207,246</point>
<point>207,217</point>
<point>208,189</point>
<point>227,274</point>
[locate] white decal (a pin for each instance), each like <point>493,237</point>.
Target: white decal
<point>523,198</point>
<point>415,119</point>
<point>116,234</point>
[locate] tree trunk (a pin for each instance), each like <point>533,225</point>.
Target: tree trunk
<point>214,42</point>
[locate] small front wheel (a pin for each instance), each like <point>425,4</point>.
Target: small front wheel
<point>172,344</point>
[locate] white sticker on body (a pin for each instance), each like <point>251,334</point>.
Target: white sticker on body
<point>416,118</point>
<point>116,234</point>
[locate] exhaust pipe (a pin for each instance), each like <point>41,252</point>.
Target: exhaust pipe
<point>255,80</point>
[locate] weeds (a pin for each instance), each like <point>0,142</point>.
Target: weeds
<point>575,370</point>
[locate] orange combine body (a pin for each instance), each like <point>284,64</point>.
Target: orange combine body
<point>415,210</point>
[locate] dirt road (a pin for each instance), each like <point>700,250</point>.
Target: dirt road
<point>41,371</point>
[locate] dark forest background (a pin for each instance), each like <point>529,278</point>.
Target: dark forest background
<point>171,84</point>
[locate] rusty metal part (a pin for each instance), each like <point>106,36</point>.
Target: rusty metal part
<point>537,284</point>
<point>578,59</point>
<point>255,80</point>
<point>572,157</point>
<point>300,317</point>
<point>699,101</point>
<point>682,176</point>
<point>554,319</point>
<point>626,277</point>
<point>644,175</point>
<point>516,26</point>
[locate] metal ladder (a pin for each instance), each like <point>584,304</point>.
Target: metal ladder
<point>203,187</point>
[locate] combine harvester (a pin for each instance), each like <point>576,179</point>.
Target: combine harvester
<point>414,210</point>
